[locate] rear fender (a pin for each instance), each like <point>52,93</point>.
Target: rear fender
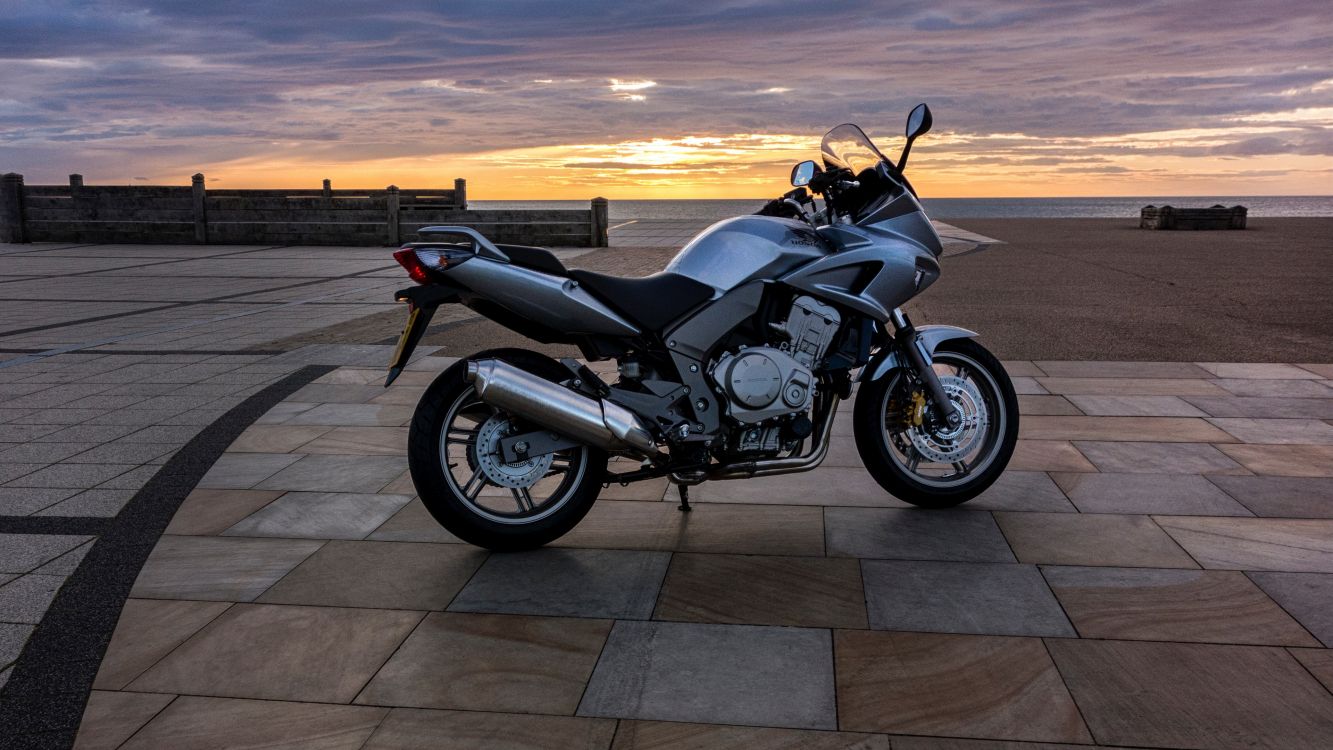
<point>930,337</point>
<point>421,304</point>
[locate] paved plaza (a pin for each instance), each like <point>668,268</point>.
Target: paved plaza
<point>1154,570</point>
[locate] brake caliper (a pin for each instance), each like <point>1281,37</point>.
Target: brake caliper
<point>916,410</point>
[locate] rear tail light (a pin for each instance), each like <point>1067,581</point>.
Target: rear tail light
<point>421,261</point>
<point>416,270</point>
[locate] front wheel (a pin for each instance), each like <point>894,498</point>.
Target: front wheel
<point>930,465</point>
<point>465,483</point>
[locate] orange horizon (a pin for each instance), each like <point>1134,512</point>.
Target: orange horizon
<point>753,165</point>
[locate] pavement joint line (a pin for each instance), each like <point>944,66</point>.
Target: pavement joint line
<point>159,262</point>
<point>142,334</point>
<point>168,352</point>
<point>50,249</point>
<point>81,321</point>
<point>42,704</point>
<point>175,303</point>
<point>187,303</point>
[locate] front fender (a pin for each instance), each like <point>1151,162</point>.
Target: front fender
<point>887,358</point>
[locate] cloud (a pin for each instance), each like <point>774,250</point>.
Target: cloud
<point>170,88</point>
<point>619,85</point>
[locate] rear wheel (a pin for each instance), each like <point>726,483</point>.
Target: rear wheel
<point>931,465</point>
<point>465,483</point>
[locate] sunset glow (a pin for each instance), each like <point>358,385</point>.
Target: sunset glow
<point>655,101</point>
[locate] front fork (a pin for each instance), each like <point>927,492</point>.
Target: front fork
<point>909,344</point>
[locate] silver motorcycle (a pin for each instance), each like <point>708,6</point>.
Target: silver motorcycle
<point>731,361</point>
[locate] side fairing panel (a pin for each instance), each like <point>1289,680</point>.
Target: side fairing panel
<point>873,272</point>
<point>746,248</point>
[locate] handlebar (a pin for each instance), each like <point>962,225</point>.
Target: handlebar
<point>835,179</point>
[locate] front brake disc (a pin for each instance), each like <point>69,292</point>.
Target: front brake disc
<point>947,446</point>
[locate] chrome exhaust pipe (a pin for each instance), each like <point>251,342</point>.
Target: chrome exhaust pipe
<point>823,438</point>
<point>601,423</point>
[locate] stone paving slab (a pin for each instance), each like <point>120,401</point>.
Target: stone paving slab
<point>1193,695</point>
<point>1174,494</point>
<point>1297,497</point>
<point>282,653</point>
<point>1307,596</point>
<point>953,685</point>
<point>743,529</point>
<point>761,590</point>
<point>148,630</point>
<point>113,718</point>
<point>320,515</point>
<point>185,567</point>
<point>483,662</point>
<point>423,729</point>
<point>1296,545</point>
<point>1212,606</point>
<point>619,584</point>
<point>957,597</point>
<point>681,672</point>
<point>379,575</point>
<point>647,735</point>
<point>1091,539</point>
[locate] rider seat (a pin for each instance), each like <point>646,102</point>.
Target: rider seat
<point>536,258</point>
<point>651,302</point>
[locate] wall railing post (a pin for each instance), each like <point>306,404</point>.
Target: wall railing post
<point>600,222</point>
<point>75,183</point>
<point>392,202</point>
<point>328,189</point>
<point>200,218</point>
<point>11,208</point>
<point>460,194</point>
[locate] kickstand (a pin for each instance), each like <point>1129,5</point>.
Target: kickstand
<point>684,498</point>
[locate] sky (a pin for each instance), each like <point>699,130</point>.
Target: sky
<point>649,99</point>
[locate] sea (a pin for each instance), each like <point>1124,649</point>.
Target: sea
<point>955,208</point>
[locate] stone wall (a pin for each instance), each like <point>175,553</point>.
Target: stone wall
<point>194,214</point>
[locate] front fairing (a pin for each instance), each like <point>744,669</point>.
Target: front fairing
<point>901,216</point>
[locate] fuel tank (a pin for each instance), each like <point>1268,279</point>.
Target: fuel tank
<point>734,251</point>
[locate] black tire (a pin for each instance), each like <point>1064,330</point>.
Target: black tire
<point>449,507</point>
<point>872,443</point>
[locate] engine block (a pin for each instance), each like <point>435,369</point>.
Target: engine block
<point>810,328</point>
<point>763,382</point>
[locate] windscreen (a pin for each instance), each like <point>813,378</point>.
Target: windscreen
<point>848,146</point>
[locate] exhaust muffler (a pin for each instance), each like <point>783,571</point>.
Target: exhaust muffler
<point>601,423</point>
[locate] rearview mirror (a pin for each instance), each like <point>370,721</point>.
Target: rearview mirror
<point>803,173</point>
<point>919,121</point>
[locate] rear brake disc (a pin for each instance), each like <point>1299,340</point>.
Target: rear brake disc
<point>491,461</point>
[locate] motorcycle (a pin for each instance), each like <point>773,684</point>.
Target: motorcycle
<point>730,362</point>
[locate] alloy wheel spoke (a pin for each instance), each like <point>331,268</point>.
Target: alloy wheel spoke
<point>524,498</point>
<point>474,484</point>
